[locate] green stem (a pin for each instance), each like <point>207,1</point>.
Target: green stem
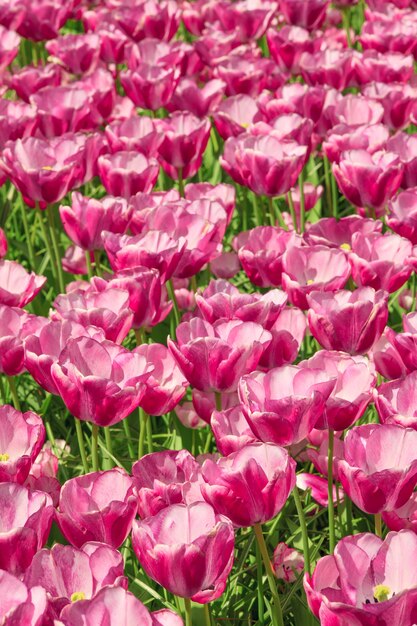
<point>149,434</point>
<point>327,174</point>
<point>207,616</point>
<point>128,434</point>
<point>2,391</point>
<point>187,605</point>
<point>97,265</point>
<point>260,587</point>
<point>55,246</point>
<point>94,447</point>
<point>378,525</point>
<point>349,523</point>
<point>332,539</point>
<point>277,612</point>
<point>47,241</point>
<point>31,252</point>
<point>302,202</point>
<point>304,532</point>
<point>258,218</point>
<point>107,436</point>
<point>89,265</point>
<point>218,397</point>
<point>180,182</point>
<point>80,437</point>
<point>140,336</point>
<point>346,25</point>
<point>143,418</point>
<point>13,392</point>
<point>292,211</point>
<point>171,293</point>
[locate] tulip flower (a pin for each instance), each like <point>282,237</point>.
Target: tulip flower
<point>287,563</point>
<point>405,517</point>
<point>319,488</point>
<point>405,147</point>
<point>368,180</point>
<point>127,172</point>
<point>396,402</point>
<point>186,549</point>
<point>100,506</point>
<point>313,268</point>
<point>70,574</point>
<point>287,45</point>
<point>360,583</point>
<point>64,109</point>
<point>15,326</point>
<point>86,219</point>
<point>78,53</point>
<point>19,604</point>
<point>371,476</point>
<point>165,478</point>
<point>261,252</point>
<point>28,80</point>
<point>283,405</point>
<point>342,138</point>
<point>101,305</point>
<point>214,357</point>
<point>334,233</point>
<point>22,436</point>
<point>150,86</point>
<point>100,382</point>
<point>17,120</point>
<point>381,261</point>
<point>134,133</point>
<point>352,392</point>
<point>231,430</point>
<point>402,218</point>
<point>331,67</point>
<point>249,486</point>
<point>25,520</point>
<point>234,115</point>
<point>391,67</point>
<point>350,321</point>
<point>223,193</point>
<point>287,336</point>
<point>17,286</point>
<point>200,101</point>
<point>310,14</point>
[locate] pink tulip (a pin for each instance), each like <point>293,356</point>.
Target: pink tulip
<point>397,100</point>
<point>70,574</point>
<point>15,326</point>
<point>287,336</point>
<point>78,53</point>
<point>186,549</point>
<point>64,109</point>
<point>287,45</point>
<point>200,101</point>
<point>404,146</point>
<point>145,204</point>
<point>285,404</point>
<point>100,506</point>
<point>368,180</point>
<point>114,606</point>
<point>334,68</point>
<point>99,304</point>
<point>261,251</point>
<point>396,402</point>
<point>166,385</point>
<point>404,517</point>
<point>348,321</point>
<point>100,382</point>
<point>28,80</point>
<point>342,138</point>
<point>185,139</point>
<point>223,301</point>
<point>152,249</point>
<point>333,233</point>
<point>352,391</point>
<point>250,20</point>
<point>44,170</point>
<point>226,265</point>
<point>360,584</point>
<point>150,86</point>
<point>3,244</point>
<point>249,486</point>
<point>134,133</point>
<point>17,286</point>
<point>20,605</point>
<point>43,347</point>
<point>43,20</point>
<point>234,115</point>
<point>310,14</point>
<point>231,430</point>
<point>9,47</point>
<point>223,193</point>
<point>381,261</point>
<point>267,165</point>
<point>313,268</point>
<point>214,357</point>
<point>204,403</point>
<point>125,173</point>
<point>22,436</point>
<point>86,219</point>
<point>147,296</point>
<point>165,478</point>
<point>287,563</point>
<point>387,358</point>
<point>391,67</point>
<point>318,488</point>
<point>403,215</point>
<point>379,468</point>
<point>319,456</point>
<point>245,74</point>
<point>26,518</point>
<point>355,111</point>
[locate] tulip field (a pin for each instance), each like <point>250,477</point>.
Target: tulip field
<point>208,313</point>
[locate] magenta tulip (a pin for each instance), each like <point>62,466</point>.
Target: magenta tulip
<point>234,115</point>
<point>19,604</point>
<point>100,506</point>
<point>231,430</point>
<point>134,133</point>
<point>396,402</point>
<point>22,436</point>
<point>249,486</point>
<point>127,172</point>
<point>186,549</point>
<point>287,563</point>
<point>350,321</point>
<point>15,326</point>
<point>403,215</point>
<point>338,233</point>
<point>372,477</point>
<point>100,382</point>
<point>17,286</point>
<point>287,337</point>
<point>283,405</point>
